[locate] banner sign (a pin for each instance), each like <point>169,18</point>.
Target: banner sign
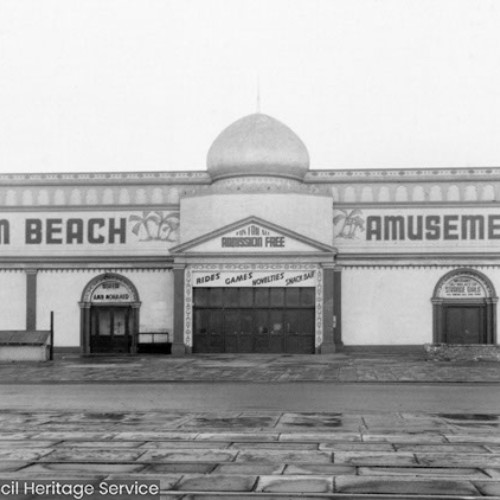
<point>306,278</point>
<point>87,233</point>
<point>425,228</point>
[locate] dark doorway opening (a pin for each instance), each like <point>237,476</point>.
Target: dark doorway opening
<point>111,329</point>
<point>254,320</point>
<point>465,324</point>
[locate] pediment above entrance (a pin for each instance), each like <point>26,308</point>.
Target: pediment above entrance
<point>252,235</point>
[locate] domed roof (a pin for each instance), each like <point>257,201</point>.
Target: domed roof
<point>260,145</point>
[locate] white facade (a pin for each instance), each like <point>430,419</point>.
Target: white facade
<point>260,254</point>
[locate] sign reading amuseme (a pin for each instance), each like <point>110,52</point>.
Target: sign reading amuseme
<point>423,228</point>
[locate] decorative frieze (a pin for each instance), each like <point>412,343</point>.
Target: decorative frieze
<point>356,192</point>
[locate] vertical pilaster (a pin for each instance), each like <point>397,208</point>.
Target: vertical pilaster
<point>178,347</point>
<point>85,327</point>
<point>328,345</point>
<point>31,280</point>
<point>437,324</point>
<point>337,307</point>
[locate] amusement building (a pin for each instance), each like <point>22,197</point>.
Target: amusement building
<point>257,253</point>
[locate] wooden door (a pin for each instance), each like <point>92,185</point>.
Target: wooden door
<point>110,330</point>
<point>465,325</point>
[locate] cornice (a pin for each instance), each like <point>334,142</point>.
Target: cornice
<point>416,204</point>
<point>90,208</point>
<point>201,177</point>
<point>411,259</point>
<point>49,262</point>
<point>391,175</point>
<point>106,178</point>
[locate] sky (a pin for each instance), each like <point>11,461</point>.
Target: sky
<point>147,85</point>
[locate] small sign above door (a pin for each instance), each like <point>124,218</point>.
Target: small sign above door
<point>463,287</point>
<point>111,291</point>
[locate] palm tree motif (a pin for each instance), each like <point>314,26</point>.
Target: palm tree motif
<point>351,222</point>
<point>167,226</point>
<point>157,226</point>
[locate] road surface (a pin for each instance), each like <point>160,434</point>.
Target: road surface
<point>432,398</point>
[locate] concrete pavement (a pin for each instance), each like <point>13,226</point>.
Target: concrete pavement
<point>233,455</point>
<point>254,368</point>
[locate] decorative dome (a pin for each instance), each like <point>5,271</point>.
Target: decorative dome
<point>257,145</point>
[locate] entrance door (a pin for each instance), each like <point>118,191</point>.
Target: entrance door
<point>254,320</point>
<point>464,325</point>
<point>110,330</point>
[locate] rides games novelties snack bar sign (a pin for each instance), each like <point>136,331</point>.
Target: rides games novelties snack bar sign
<point>296,278</point>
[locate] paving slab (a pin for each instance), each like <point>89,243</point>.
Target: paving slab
<point>11,466</point>
<point>296,484</point>
<point>452,460</point>
<point>359,458</point>
<point>272,456</point>
<point>235,436</point>
<point>19,454</point>
<point>249,468</point>
<point>200,423</point>
<point>25,443</point>
<point>376,485</point>
<point>153,436</point>
<point>273,445</point>
<point>488,488</point>
<point>179,467</point>
<point>91,455</point>
<point>74,434</point>
<point>189,455</point>
<point>82,468</point>
<point>461,472</point>
<point>405,438</point>
<point>336,446</point>
<point>176,445</point>
<point>324,469</point>
<point>442,448</point>
<point>324,437</point>
<point>98,444</point>
<point>217,482</point>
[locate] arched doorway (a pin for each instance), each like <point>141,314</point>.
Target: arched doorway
<point>464,304</point>
<point>110,315</point>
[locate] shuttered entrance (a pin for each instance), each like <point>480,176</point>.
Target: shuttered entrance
<point>253,320</point>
